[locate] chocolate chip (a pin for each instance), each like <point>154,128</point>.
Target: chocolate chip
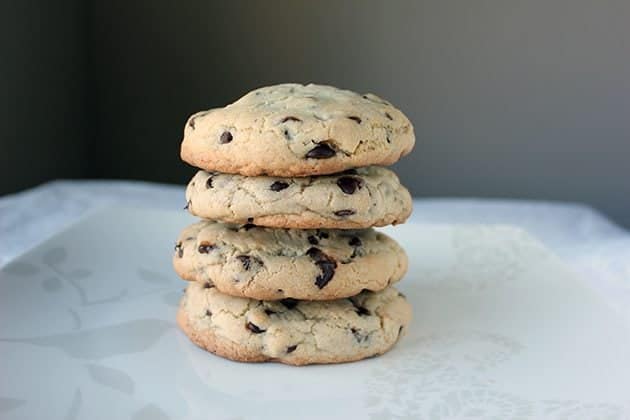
<point>349,184</point>
<point>326,265</point>
<point>389,116</point>
<point>290,118</point>
<point>269,311</point>
<point>313,240</point>
<point>254,328</point>
<point>248,226</point>
<point>208,285</point>
<point>209,182</point>
<point>287,134</point>
<point>289,303</point>
<point>250,220</point>
<point>362,311</point>
<point>279,186</point>
<point>355,241</point>
<point>321,151</point>
<point>357,119</point>
<point>246,260</point>
<point>346,212</point>
<point>291,349</point>
<point>179,249</point>
<point>208,312</point>
<point>322,235</point>
<point>205,247</point>
<point>400,331</point>
<point>358,335</point>
<point>226,137</point>
<point>315,253</point>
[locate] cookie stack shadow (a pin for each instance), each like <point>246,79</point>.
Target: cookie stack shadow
<point>284,264</point>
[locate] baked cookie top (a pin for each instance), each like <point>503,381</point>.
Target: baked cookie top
<point>357,198</point>
<point>294,332</point>
<point>296,130</point>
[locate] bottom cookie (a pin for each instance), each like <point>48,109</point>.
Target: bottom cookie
<point>293,332</point>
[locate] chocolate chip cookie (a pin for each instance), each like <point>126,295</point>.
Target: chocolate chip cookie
<point>357,198</point>
<point>272,264</point>
<point>294,130</point>
<point>293,332</point>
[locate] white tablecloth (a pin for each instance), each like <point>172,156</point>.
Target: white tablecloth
<point>592,245</point>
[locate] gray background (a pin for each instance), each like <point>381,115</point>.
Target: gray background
<point>516,99</point>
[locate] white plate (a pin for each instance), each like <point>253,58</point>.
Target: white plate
<point>501,330</point>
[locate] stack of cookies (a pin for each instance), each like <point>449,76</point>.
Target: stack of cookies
<point>285,264</point>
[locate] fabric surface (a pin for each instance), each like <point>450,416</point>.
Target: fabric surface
<point>593,246</point>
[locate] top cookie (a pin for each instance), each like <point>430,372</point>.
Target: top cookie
<point>294,130</point>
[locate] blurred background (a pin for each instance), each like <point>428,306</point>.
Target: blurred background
<point>514,99</point>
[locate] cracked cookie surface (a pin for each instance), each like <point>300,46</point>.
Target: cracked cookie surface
<point>295,130</point>
<point>365,197</point>
<point>272,264</point>
<point>294,332</point>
